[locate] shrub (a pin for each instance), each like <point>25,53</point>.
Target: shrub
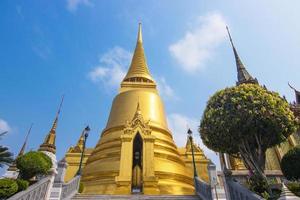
<point>294,187</point>
<point>8,187</point>
<point>257,184</point>
<point>290,164</point>
<point>22,184</point>
<point>33,163</point>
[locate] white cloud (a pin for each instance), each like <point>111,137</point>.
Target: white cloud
<point>112,67</point>
<point>4,126</point>
<point>72,5</point>
<point>198,45</point>
<point>165,90</point>
<point>179,124</point>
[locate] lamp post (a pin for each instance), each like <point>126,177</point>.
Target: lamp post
<point>189,132</point>
<point>85,134</point>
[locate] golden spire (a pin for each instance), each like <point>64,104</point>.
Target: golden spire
<point>138,71</point>
<point>80,141</point>
<point>13,166</point>
<point>243,75</point>
<point>138,109</point>
<point>22,150</point>
<point>49,142</point>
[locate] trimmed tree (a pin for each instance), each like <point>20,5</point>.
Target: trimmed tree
<point>246,120</point>
<point>33,163</point>
<point>290,164</point>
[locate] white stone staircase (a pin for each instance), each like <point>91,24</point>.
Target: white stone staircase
<point>134,197</point>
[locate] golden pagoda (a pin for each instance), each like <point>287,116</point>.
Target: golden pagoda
<point>136,152</point>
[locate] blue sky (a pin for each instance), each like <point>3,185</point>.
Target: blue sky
<point>82,48</point>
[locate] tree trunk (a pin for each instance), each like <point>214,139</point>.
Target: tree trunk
<point>254,159</point>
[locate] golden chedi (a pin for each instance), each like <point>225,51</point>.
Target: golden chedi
<point>136,151</point>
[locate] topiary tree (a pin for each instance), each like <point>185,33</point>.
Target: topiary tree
<point>290,164</point>
<point>246,120</point>
<point>8,187</point>
<point>33,163</point>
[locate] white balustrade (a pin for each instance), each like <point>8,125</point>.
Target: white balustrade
<point>37,191</point>
<point>203,189</point>
<point>71,188</point>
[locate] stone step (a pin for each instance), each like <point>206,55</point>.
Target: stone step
<point>134,197</point>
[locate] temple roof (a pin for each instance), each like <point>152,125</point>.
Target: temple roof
<point>297,94</point>
<point>243,75</point>
<point>79,146</point>
<point>138,71</point>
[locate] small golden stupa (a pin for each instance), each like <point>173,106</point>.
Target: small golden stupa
<point>136,152</point>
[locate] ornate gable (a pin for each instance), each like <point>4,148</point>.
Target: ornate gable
<point>137,122</point>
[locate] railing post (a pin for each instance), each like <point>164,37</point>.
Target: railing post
<point>212,173</point>
<point>58,180</point>
<point>225,176</point>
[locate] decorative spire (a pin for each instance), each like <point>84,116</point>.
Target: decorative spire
<point>138,71</point>
<point>49,142</point>
<point>22,150</point>
<point>13,166</point>
<point>80,141</point>
<point>138,111</point>
<point>297,94</point>
<point>242,74</point>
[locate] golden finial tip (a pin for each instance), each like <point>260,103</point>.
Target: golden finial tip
<point>140,38</point>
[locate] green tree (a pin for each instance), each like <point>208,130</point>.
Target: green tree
<point>246,120</point>
<point>6,157</point>
<point>290,164</point>
<point>33,163</point>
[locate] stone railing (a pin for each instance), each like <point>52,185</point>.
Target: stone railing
<point>203,189</point>
<point>37,191</point>
<point>71,188</point>
<point>235,191</point>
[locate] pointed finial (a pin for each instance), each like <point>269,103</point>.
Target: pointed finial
<point>242,74</point>
<point>229,36</point>
<point>291,86</point>
<point>297,93</point>
<point>60,105</point>
<point>81,140</point>
<point>54,125</point>
<point>138,109</point>
<point>22,150</point>
<point>140,37</point>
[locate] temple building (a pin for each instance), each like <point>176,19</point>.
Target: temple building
<point>273,155</point>
<point>136,152</point>
<point>72,157</point>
